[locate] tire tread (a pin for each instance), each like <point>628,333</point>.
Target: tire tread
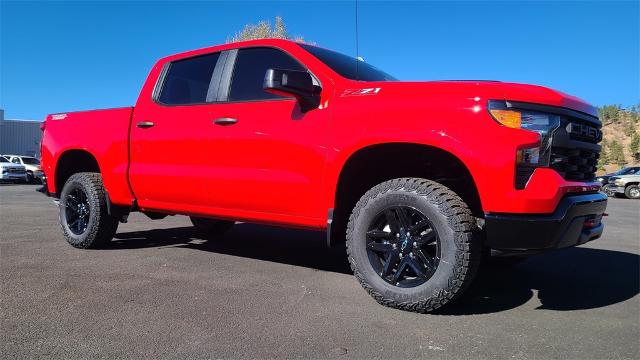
<point>461,222</point>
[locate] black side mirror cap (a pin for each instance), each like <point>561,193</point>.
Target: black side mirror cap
<point>293,82</point>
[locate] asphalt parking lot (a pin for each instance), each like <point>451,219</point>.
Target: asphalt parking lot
<point>262,292</point>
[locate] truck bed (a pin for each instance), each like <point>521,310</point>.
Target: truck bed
<point>103,133</point>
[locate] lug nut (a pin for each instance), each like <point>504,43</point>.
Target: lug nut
<point>415,243</point>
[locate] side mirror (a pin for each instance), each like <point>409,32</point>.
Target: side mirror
<point>296,83</point>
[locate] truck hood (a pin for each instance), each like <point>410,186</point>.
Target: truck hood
<point>489,90</point>
<point>627,177</point>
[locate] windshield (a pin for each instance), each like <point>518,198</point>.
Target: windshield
<point>3,159</point>
<point>627,171</point>
<point>347,66</point>
<point>30,161</point>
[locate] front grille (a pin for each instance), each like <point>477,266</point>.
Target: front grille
<point>583,131</point>
<point>575,164</point>
<point>17,171</point>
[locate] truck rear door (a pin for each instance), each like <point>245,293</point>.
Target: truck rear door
<point>170,146</point>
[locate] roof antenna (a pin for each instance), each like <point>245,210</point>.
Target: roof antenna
<point>357,47</point>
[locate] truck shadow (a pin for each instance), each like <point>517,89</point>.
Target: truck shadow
<point>571,279</point>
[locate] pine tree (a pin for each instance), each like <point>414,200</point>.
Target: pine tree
<point>616,153</point>
<point>635,144</point>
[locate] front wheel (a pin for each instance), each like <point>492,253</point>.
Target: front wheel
<point>632,192</point>
<point>607,190</point>
<point>411,244</point>
<point>83,212</point>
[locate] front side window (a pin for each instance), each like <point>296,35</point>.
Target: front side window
<point>187,81</point>
<point>250,68</point>
<point>15,160</point>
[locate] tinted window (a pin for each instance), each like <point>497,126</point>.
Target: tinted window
<point>30,161</point>
<point>248,73</point>
<point>188,80</point>
<point>2,159</point>
<point>347,66</point>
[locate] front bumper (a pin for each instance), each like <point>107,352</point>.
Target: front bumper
<point>616,189</point>
<point>13,176</point>
<point>576,220</point>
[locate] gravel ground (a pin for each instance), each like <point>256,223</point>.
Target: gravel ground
<point>263,292</point>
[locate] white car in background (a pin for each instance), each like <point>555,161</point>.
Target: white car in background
<point>31,164</point>
<point>12,172</point>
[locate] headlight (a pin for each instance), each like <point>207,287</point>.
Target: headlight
<point>527,159</point>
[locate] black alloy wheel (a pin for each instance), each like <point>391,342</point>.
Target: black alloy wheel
<point>84,216</point>
<point>413,244</point>
<point>403,246</point>
<point>77,210</point>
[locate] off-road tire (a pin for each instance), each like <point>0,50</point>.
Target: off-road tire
<point>632,192</point>
<point>461,248</point>
<point>211,227</point>
<point>101,226</point>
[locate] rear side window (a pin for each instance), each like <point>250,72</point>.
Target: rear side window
<point>250,67</point>
<point>187,81</point>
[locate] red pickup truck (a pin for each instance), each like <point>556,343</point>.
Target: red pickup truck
<point>422,177</point>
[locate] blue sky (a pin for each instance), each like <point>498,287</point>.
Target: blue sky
<point>63,56</point>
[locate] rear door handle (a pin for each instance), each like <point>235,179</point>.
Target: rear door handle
<point>225,121</point>
<point>145,124</point>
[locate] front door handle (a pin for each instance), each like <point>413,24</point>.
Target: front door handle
<point>225,121</point>
<point>145,124</point>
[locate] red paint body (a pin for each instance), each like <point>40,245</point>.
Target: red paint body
<point>281,166</point>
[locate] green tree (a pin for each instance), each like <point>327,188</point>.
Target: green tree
<point>264,30</point>
<point>616,153</point>
<point>634,146</point>
<point>603,160</point>
<point>609,113</point>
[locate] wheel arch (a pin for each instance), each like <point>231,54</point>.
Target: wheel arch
<point>73,161</point>
<point>362,170</point>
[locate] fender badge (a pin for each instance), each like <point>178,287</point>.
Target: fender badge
<point>360,92</point>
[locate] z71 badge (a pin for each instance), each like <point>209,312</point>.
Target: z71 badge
<point>360,92</point>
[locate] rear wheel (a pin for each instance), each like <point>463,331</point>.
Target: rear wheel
<point>411,244</point>
<point>632,192</point>
<point>211,227</point>
<point>83,212</point>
